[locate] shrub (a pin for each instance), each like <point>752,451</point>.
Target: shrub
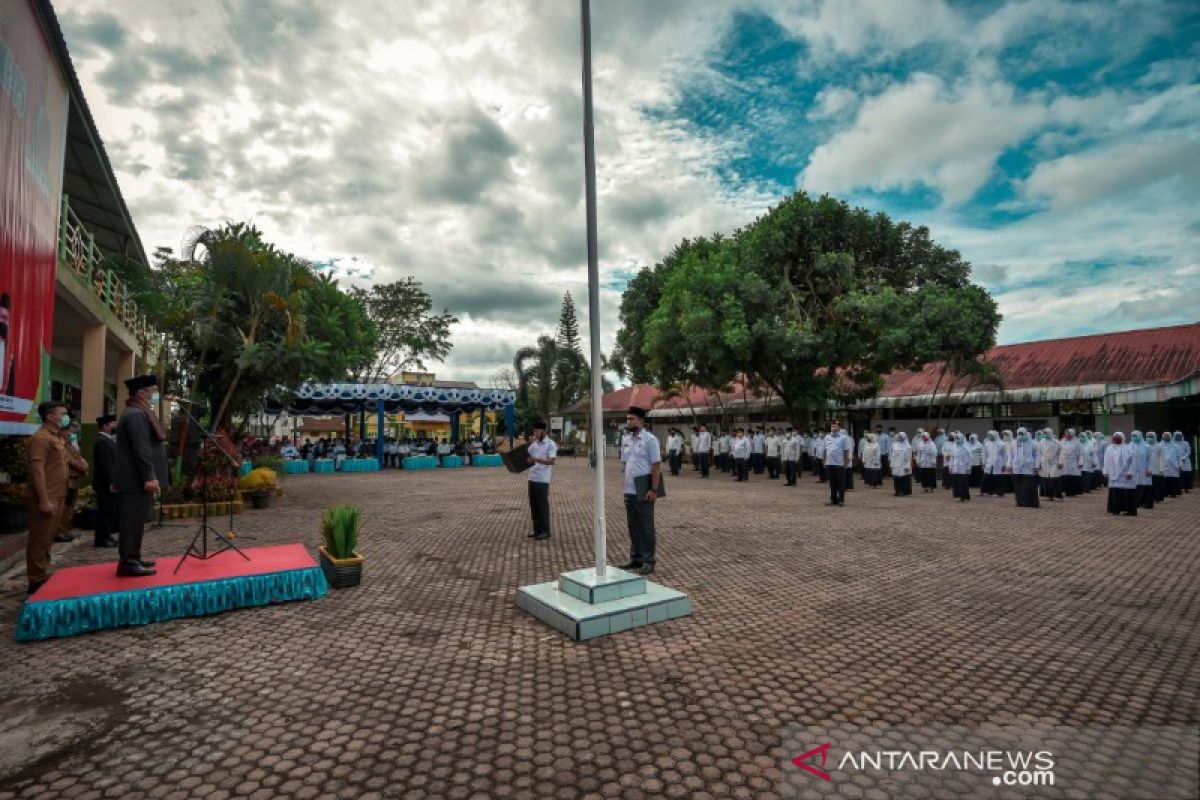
<point>258,480</point>
<point>12,495</point>
<point>86,499</point>
<point>269,461</point>
<point>220,488</point>
<point>339,530</point>
<point>14,457</point>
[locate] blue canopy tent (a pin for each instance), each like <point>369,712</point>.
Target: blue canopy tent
<point>388,398</point>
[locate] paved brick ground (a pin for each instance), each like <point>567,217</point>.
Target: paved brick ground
<point>427,681</point>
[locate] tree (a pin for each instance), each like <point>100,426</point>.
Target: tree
<point>243,320</point>
<point>814,299</point>
<point>407,333</point>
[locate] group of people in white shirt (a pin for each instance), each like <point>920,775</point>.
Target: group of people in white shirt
<point>1034,466</point>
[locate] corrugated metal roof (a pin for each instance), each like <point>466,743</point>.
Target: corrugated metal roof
<point>1154,355</point>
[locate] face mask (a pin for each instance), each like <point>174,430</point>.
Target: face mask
<point>154,399</point>
<point>64,421</point>
<point>74,438</point>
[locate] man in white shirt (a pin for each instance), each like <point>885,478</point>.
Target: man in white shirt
<point>839,452</point>
<point>758,452</point>
<point>773,453</point>
<point>724,460</point>
<point>675,450</point>
<point>643,465</point>
<point>792,443</point>
<point>885,448</point>
<point>703,450</point>
<point>542,455</point>
<point>739,451</point>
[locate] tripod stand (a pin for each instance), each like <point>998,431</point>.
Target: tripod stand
<point>223,540</point>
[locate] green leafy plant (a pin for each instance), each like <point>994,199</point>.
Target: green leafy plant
<point>339,530</point>
<point>12,495</point>
<point>14,457</point>
<point>87,499</point>
<point>258,480</point>
<point>268,460</point>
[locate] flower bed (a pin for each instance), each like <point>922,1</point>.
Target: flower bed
<point>188,510</point>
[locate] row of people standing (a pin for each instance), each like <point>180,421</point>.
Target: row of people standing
<point>1032,466</point>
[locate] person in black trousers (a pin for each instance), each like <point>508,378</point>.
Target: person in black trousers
<point>139,470</point>
<point>107,507</point>
<point>543,453</point>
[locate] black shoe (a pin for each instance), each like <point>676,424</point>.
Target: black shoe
<point>631,565</point>
<point>646,569</point>
<point>831,503</point>
<point>541,537</point>
<point>65,537</point>
<point>33,587</point>
<point>106,543</point>
<point>126,571</point>
<point>148,563</point>
<point>532,535</point>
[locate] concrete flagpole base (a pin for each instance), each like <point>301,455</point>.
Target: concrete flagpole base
<point>583,606</point>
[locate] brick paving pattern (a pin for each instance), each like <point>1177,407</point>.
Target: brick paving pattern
<point>427,682</point>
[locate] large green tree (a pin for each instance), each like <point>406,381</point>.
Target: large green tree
<point>408,332</point>
<point>244,320</point>
<point>815,299</point>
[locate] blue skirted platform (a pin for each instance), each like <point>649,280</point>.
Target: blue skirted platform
<point>92,598</point>
<point>452,462</point>
<point>324,466</point>
<point>489,460</point>
<point>360,465</point>
<point>295,467</point>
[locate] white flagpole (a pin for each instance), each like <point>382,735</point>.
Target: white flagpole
<point>589,162</point>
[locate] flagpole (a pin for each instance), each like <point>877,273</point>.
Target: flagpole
<point>589,167</point>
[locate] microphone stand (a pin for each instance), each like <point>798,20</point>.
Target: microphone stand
<point>223,540</point>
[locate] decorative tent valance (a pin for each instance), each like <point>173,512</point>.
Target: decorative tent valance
<point>351,398</point>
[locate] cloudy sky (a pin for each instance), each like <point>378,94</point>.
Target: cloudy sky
<point>1056,144</point>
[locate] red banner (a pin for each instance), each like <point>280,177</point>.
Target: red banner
<point>33,127</point>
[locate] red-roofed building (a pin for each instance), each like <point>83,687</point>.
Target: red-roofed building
<point>1147,379</point>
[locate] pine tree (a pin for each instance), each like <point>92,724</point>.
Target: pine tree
<point>568,327</point>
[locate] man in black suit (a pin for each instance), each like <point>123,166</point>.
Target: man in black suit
<point>103,455</point>
<point>140,471</point>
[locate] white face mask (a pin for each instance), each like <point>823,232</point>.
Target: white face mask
<point>154,399</point>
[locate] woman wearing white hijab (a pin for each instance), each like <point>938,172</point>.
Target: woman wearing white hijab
<point>976,448</point>
<point>1049,478</point>
<point>1070,455</point>
<point>1098,479</point>
<point>927,458</point>
<point>995,456</point>
<point>1141,471</point>
<point>900,461</point>
<point>1119,459</point>
<point>1023,465</point>
<point>1158,482</point>
<point>1087,461</point>
<point>1169,459</point>
<point>872,462</point>
<point>960,468</point>
<point>1186,473</point>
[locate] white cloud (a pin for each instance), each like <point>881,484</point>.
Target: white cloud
<point>923,132</point>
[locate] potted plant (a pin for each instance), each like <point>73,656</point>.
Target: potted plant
<point>340,562</point>
<point>259,485</point>
<point>14,516</point>
<point>86,508</point>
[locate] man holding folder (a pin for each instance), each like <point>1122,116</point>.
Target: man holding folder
<point>643,478</point>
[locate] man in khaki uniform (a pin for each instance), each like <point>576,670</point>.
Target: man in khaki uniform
<point>47,489</point>
<point>77,467</point>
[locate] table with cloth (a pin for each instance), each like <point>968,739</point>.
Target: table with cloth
<point>295,467</point>
<point>323,466</point>
<point>487,460</point>
<point>421,462</point>
<point>360,465</point>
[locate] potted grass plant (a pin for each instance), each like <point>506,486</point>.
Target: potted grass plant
<point>340,561</point>
<point>258,484</point>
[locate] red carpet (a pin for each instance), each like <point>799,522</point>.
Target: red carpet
<point>102,578</point>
